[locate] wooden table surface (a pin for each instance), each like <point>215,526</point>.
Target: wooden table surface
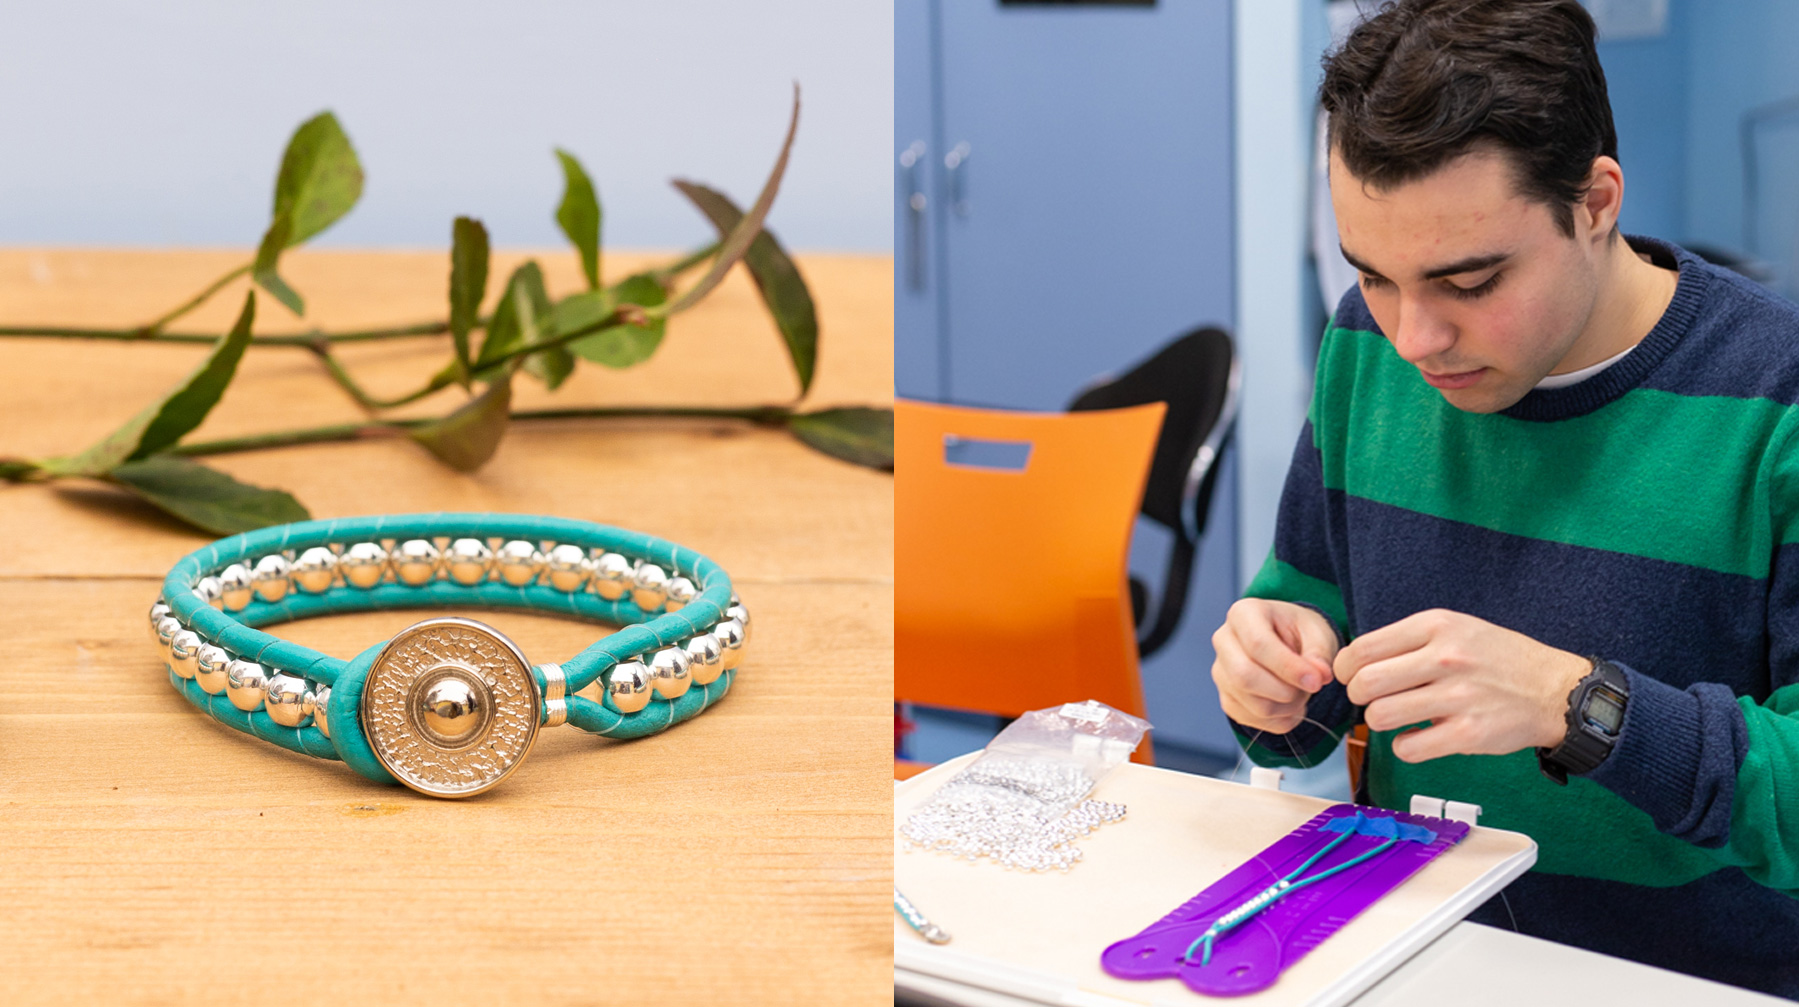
<point>150,855</point>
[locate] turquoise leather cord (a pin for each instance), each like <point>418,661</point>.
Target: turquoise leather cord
<point>640,632</point>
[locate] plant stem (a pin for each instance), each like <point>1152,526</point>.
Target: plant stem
<point>304,341</point>
<point>198,299</point>
<point>674,269</point>
<point>398,428</point>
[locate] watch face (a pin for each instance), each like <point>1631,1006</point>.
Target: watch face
<point>1605,711</point>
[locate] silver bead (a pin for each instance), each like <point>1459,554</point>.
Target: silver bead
<point>742,615</point>
<point>270,577</point>
<point>363,564</point>
<point>569,567</point>
<point>611,576</point>
<point>321,703</point>
<point>519,562</point>
<point>315,570</point>
<point>236,586</point>
<point>670,672</point>
<point>184,652</point>
<point>628,686</point>
<point>211,592</point>
<point>158,612</point>
<point>415,561</point>
<point>166,629</point>
<point>468,560</point>
<point>246,683</point>
<point>287,699</point>
<point>730,637</point>
<point>555,689</point>
<point>649,587</point>
<point>209,668</point>
<point>680,592</point>
<point>705,658</point>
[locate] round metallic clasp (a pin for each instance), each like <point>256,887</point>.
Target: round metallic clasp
<point>451,707</point>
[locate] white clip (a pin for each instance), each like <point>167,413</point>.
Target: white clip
<point>1461,812</point>
<point>1429,806</point>
<point>1266,778</point>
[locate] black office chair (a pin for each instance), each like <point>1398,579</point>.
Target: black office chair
<point>1199,376</point>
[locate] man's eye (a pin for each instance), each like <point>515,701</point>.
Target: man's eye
<point>1470,293</point>
<point>1373,281</point>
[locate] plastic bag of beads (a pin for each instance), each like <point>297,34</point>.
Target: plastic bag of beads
<point>1024,801</point>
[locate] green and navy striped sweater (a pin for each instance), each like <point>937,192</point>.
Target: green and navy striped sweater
<point>1649,515</point>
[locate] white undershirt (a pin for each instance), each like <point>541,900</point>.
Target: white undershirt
<point>1576,377</point>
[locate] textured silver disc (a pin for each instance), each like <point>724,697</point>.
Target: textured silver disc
<point>451,707</point>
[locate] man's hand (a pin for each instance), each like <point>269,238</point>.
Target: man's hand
<point>1485,689</point>
<point>1272,655</point>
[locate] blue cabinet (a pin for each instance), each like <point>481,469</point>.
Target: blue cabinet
<point>1063,207</point>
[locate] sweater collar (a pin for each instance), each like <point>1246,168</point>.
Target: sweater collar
<point>1545,404</point>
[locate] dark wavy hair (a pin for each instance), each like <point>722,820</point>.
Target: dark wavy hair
<point>1424,81</point>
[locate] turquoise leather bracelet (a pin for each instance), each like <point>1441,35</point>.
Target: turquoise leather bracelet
<point>449,707</point>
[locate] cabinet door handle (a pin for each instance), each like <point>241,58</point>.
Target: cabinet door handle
<point>955,165</point>
<point>915,206</point>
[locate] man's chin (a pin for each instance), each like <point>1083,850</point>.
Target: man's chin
<point>1487,393</point>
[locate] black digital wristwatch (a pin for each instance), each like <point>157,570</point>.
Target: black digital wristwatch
<point>1595,716</point>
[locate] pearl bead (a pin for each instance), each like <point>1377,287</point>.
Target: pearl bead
<point>519,562</point>
<point>287,699</point>
<point>705,659</point>
<point>236,586</point>
<point>209,669</point>
<point>680,592</point>
<point>184,652</point>
<point>363,564</point>
<point>468,560</point>
<point>315,570</point>
<point>730,637</point>
<point>415,562</point>
<point>611,576</point>
<point>246,683</point>
<point>649,587</point>
<point>670,672</point>
<point>569,567</point>
<point>270,577</point>
<point>628,686</point>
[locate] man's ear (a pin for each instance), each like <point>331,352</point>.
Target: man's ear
<point>1604,197</point>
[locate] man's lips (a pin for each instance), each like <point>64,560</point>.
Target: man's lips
<point>1453,380</point>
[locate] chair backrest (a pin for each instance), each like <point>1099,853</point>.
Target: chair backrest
<point>1009,590</point>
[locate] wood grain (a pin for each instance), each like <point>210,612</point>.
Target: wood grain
<point>149,855</point>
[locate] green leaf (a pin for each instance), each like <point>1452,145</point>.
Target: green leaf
<point>468,283</point>
<point>263,269</point>
<point>855,434</point>
<point>579,215</point>
<point>468,437</point>
<point>164,422</point>
<point>320,179</point>
<point>524,310</point>
<point>618,345</point>
<point>552,366</point>
<point>738,241</point>
<point>782,287</point>
<point>207,498</point>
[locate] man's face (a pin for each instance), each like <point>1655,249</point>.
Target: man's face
<point>1473,284</point>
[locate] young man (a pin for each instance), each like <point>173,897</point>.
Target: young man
<point>1541,532</point>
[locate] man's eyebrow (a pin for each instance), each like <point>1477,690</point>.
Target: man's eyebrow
<point>1472,264</point>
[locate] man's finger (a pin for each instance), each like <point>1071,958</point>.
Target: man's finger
<point>1392,640</point>
<point>1318,639</point>
<point>1434,742</point>
<point>1395,675</point>
<point>1246,676</point>
<point>1265,647</point>
<point>1394,711</point>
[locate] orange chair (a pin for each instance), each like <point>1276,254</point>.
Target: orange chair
<point>1010,586</point>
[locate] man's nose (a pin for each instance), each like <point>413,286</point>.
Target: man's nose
<point>1420,334</point>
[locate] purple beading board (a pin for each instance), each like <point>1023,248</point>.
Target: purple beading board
<point>1252,956</point>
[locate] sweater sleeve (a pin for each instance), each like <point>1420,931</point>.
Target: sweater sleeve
<point>1720,770</point>
<point>1301,569</point>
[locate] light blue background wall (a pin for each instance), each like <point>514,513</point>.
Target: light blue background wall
<point>140,124</point>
